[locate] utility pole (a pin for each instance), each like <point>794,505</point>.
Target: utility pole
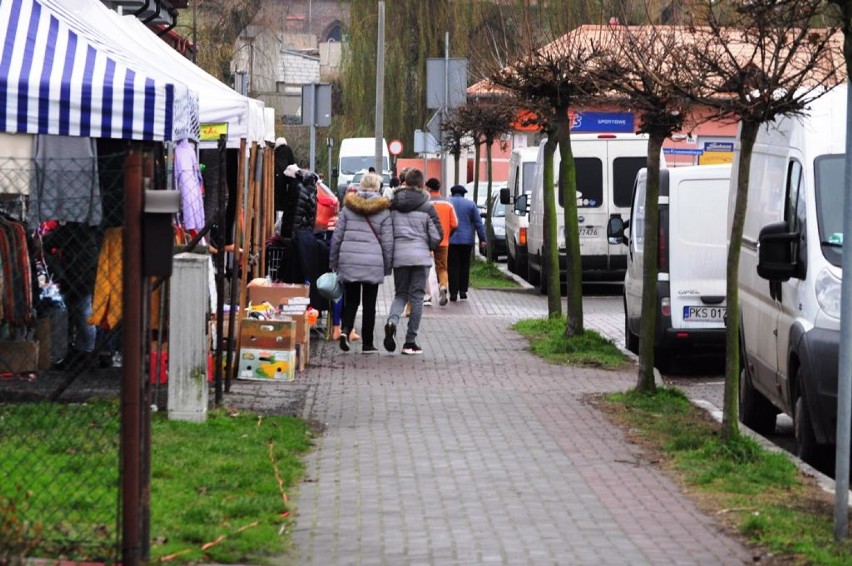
<point>380,89</point>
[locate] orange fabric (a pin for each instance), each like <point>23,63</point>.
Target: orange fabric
<point>440,254</point>
<point>109,286</point>
<point>447,215</point>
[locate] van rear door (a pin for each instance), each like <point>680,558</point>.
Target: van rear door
<point>605,175</point>
<point>697,248</point>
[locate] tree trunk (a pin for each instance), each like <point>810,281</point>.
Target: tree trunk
<point>645,381</point>
<point>730,412</point>
<point>550,257</point>
<point>574,264</point>
<point>457,157</point>
<point>489,247</point>
<point>477,145</point>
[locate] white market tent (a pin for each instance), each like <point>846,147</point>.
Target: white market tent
<point>129,40</point>
<point>55,78</point>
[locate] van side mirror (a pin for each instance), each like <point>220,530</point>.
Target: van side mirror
<point>335,173</point>
<point>505,196</point>
<point>522,205</point>
<point>615,230</point>
<point>775,256</point>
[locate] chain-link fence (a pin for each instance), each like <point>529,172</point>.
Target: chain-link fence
<point>61,216</point>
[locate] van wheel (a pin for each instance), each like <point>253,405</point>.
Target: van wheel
<point>533,276</point>
<point>542,281</point>
<point>756,412</point>
<point>806,445</point>
<point>631,341</point>
<point>510,264</point>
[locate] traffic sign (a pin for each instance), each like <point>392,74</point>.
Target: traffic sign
<point>395,147</point>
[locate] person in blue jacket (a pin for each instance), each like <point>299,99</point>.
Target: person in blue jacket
<point>461,242</point>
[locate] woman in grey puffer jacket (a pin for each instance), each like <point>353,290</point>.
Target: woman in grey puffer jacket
<point>362,254</point>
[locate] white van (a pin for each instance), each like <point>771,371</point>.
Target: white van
<point>520,182</point>
<point>356,154</point>
<point>790,274</point>
<point>606,166</point>
<point>691,262</point>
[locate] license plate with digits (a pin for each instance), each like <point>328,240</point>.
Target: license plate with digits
<point>704,313</point>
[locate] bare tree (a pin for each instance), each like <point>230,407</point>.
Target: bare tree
<point>454,140</point>
<point>219,24</point>
<point>640,69</point>
<point>756,61</point>
<point>552,79</point>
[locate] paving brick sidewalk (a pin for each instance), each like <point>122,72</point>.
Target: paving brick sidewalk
<point>477,452</point>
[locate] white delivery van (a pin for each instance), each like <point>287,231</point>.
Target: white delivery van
<point>692,260</point>
<point>519,185</point>
<point>606,166</point>
<point>356,154</point>
<point>790,274</point>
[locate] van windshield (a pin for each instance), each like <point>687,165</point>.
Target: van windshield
<point>353,163</point>
<point>828,171</point>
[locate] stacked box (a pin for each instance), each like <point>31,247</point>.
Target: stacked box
<point>267,365</point>
<point>19,356</point>
<point>291,301</point>
<point>267,350</point>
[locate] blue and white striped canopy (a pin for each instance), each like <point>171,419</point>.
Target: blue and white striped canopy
<point>54,79</point>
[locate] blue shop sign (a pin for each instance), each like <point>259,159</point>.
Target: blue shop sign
<point>621,122</point>
<point>681,151</point>
<point>718,146</point>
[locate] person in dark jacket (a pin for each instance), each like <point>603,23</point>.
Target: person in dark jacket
<point>416,232</point>
<point>362,254</point>
<point>461,242</point>
<point>284,157</point>
<point>300,206</point>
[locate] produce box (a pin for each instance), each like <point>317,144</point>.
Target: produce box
<point>260,290</point>
<point>268,334</point>
<point>267,365</point>
<point>19,356</point>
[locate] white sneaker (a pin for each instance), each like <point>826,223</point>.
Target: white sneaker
<point>427,302</point>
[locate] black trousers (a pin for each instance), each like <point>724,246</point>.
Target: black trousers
<point>458,263</point>
<point>353,295</point>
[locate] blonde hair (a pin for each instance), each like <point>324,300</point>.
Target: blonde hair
<point>371,182</point>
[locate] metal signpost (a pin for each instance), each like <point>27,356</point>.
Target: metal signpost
<point>316,112</point>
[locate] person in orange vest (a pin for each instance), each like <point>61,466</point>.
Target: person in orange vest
<point>449,223</point>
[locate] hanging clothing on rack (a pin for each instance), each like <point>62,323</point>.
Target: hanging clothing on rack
<point>67,186</point>
<point>109,284</point>
<point>189,181</point>
<point>16,285</point>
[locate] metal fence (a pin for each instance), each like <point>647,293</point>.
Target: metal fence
<point>60,342</point>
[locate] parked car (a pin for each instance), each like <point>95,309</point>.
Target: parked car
<point>497,234</point>
<point>521,176</point>
<point>691,262</point>
<point>790,275</point>
<point>606,167</point>
<point>483,191</point>
<point>356,180</point>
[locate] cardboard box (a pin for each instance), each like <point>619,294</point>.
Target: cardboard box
<point>267,365</point>
<point>19,356</point>
<point>260,291</point>
<point>268,334</point>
